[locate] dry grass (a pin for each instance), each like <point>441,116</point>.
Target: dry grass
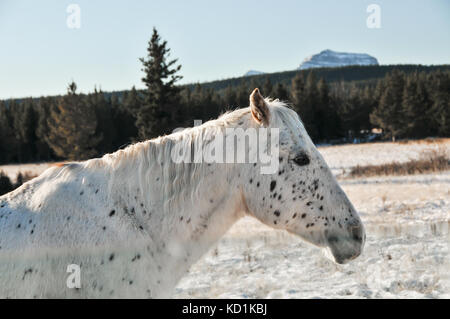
<point>430,161</point>
<point>428,140</point>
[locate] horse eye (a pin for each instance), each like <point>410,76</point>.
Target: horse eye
<point>301,159</point>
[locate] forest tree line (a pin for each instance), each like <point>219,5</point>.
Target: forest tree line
<point>79,126</point>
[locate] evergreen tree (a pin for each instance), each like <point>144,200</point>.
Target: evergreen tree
<point>160,110</point>
<point>43,150</point>
<point>5,184</point>
<point>24,123</point>
<point>416,109</point>
<point>72,127</point>
<point>305,99</point>
<point>125,116</point>
<point>242,93</point>
<point>8,142</point>
<point>326,117</point>
<point>388,115</point>
<point>440,111</point>
<point>280,92</point>
<point>104,114</point>
<point>230,98</point>
<point>267,88</point>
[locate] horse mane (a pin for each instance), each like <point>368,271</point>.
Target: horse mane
<point>143,161</point>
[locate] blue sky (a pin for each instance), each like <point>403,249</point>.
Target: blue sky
<point>213,40</point>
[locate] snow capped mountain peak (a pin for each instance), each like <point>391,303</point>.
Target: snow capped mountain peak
<point>253,72</point>
<point>329,58</point>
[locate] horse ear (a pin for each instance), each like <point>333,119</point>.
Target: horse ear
<point>259,108</point>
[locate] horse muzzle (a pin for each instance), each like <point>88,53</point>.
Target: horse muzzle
<point>348,246</point>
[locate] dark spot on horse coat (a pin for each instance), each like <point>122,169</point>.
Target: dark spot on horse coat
<point>276,213</point>
<point>27,271</point>
<point>295,215</point>
<point>81,193</point>
<point>272,185</point>
<point>111,257</point>
<point>303,215</point>
<point>112,213</point>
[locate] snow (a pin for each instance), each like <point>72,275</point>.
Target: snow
<point>263,263</point>
<point>34,169</point>
<point>341,158</point>
<point>253,72</point>
<point>329,58</point>
<point>406,254</point>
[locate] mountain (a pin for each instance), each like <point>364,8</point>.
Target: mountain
<point>331,59</point>
<point>253,72</point>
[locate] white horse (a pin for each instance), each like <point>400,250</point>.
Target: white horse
<point>134,221</point>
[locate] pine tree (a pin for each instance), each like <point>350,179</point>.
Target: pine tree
<point>326,118</point>
<point>72,127</point>
<point>24,124</point>
<point>43,150</point>
<point>5,184</point>
<point>415,108</point>
<point>305,99</point>
<point>267,87</point>
<point>104,114</point>
<point>388,115</point>
<point>440,111</point>
<point>160,111</point>
<point>8,141</point>
<point>125,114</point>
<point>242,95</point>
<point>280,92</point>
<point>230,98</point>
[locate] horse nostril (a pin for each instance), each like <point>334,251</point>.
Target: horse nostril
<point>357,233</point>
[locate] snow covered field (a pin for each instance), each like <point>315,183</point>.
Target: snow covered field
<point>406,253</point>
<point>407,220</point>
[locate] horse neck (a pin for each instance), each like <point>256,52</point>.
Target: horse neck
<point>188,207</point>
